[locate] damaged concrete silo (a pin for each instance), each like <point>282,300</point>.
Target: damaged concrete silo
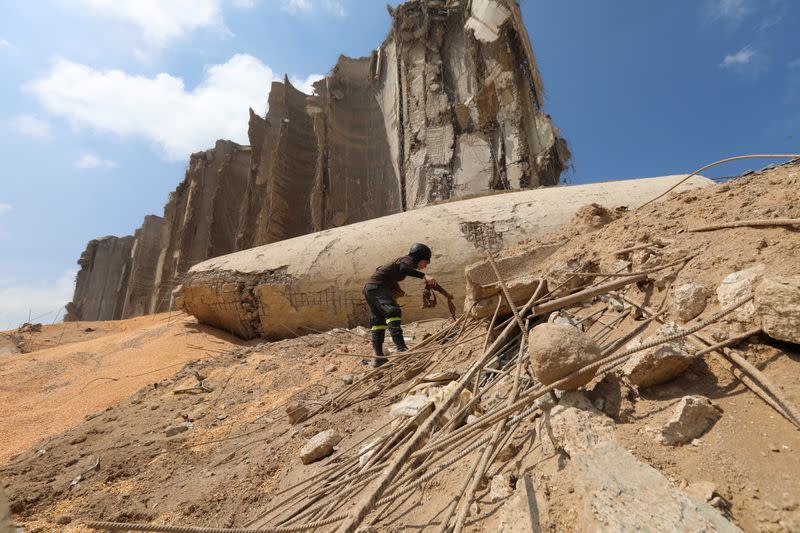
<point>315,280</point>
<point>449,106</point>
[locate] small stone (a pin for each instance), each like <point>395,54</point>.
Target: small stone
<point>689,300</point>
<point>557,350</point>
<point>296,412</point>
<point>331,369</point>
<point>77,440</point>
<point>774,448</point>
<point>693,416</point>
<point>63,520</point>
<point>348,379</point>
<point>320,446</point>
<point>702,490</point>
<point>175,430</point>
<point>499,488</point>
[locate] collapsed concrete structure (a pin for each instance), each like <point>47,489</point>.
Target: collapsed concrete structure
<point>447,107</point>
<point>315,280</point>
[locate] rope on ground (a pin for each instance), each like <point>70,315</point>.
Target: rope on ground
<point>165,528</point>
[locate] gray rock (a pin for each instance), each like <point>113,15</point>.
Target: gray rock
<point>348,379</point>
<point>320,446</point>
<point>659,364</point>
<point>693,416</point>
<point>175,430</point>
<point>331,369</point>
<point>738,285</point>
<point>557,350</point>
<point>689,300</point>
<point>777,304</point>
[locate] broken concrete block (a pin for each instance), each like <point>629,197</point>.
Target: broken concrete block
<point>777,304</point>
<point>693,416</point>
<point>319,446</point>
<point>574,425</point>
<point>659,364</point>
<point>557,350</point>
<point>296,412</point>
<point>621,493</point>
<point>409,406</point>
<point>738,285</point>
<point>689,300</point>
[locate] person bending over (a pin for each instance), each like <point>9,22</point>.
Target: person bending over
<point>381,292</point>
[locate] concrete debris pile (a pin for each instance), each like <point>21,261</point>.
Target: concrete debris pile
<point>478,427</point>
<point>447,107</point>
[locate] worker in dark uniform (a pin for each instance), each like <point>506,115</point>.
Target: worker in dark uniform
<point>381,292</point>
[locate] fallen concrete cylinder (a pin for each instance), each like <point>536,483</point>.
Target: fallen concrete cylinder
<point>314,281</point>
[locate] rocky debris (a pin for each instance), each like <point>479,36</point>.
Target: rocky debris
<point>738,285</point>
<point>320,446</point>
<point>296,412</point>
<point>777,304</point>
<point>348,379</point>
<point>500,488</point>
<point>331,369</point>
<point>689,300</point>
<point>523,512</point>
<point>693,416</point>
<point>659,364</point>
<point>557,350</point>
<point>574,425</point>
<point>409,406</point>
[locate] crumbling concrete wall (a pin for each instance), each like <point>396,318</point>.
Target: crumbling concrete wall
<point>102,281</point>
<point>315,280</point>
<point>200,216</point>
<point>447,107</point>
<point>145,255</point>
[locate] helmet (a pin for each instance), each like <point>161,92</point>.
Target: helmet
<point>420,252</point>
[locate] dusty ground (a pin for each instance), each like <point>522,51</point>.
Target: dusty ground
<point>80,368</point>
<point>240,452</point>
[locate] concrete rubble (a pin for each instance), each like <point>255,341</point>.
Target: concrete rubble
<point>617,492</point>
<point>738,285</point>
<point>659,364</point>
<point>557,350</point>
<point>447,107</point>
<point>777,304</point>
<point>689,300</point>
<point>692,417</point>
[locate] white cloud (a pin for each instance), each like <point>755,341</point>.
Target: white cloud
<point>31,126</point>
<point>4,44</point>
<point>160,21</point>
<point>4,208</point>
<point>46,299</point>
<point>742,57</point>
<point>306,85</point>
<point>307,6</point>
<point>159,109</point>
<point>730,10</point>
<point>91,161</point>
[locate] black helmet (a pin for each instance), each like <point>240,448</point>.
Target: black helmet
<point>420,252</point>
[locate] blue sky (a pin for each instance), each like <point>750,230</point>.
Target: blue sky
<point>101,101</point>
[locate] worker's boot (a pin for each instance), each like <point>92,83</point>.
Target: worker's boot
<point>396,331</point>
<point>378,335</point>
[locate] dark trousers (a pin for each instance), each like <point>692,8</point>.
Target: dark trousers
<point>384,313</point>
